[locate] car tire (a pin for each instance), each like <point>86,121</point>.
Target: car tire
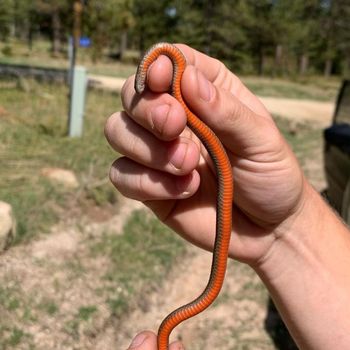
<point>345,208</point>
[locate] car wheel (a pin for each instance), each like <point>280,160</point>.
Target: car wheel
<point>345,208</point>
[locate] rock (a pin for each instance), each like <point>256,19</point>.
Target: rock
<point>3,111</point>
<point>293,127</point>
<point>7,225</point>
<point>64,177</point>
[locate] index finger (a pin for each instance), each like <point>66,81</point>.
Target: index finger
<point>160,73</point>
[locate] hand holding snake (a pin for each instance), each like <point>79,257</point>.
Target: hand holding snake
<point>166,166</point>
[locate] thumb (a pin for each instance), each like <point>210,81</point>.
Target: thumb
<point>238,127</point>
<point>144,341</point>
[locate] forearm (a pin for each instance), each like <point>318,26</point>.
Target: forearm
<point>307,272</point>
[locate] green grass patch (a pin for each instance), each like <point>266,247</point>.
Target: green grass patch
<point>33,128</point>
<point>8,298</point>
<point>16,336</point>
<point>85,312</point>
<point>315,88</point>
<point>80,321</point>
<point>14,302</point>
<point>12,337</point>
<point>303,137</point>
<point>15,52</point>
<point>48,306</point>
<point>111,69</point>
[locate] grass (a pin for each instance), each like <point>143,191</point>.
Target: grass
<point>40,55</point>
<point>16,336</point>
<point>303,137</point>
<point>106,67</point>
<point>33,134</point>
<point>313,88</point>
<point>86,312</point>
<point>49,306</point>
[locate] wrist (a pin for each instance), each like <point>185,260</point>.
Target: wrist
<point>297,234</point>
<point>306,272</point>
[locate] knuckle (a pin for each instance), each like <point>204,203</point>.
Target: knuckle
<point>125,182</point>
<point>109,125</point>
<point>130,145</point>
<point>141,185</point>
<point>114,173</point>
<point>115,130</point>
<point>127,91</point>
<point>234,112</point>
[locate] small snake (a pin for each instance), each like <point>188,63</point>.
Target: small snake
<point>224,197</point>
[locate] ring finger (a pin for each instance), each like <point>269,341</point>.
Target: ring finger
<point>136,181</point>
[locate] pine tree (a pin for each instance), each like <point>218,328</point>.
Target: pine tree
<point>6,18</point>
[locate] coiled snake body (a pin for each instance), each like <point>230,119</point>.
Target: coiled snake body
<point>224,197</point>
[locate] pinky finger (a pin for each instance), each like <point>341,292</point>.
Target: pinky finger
<point>138,182</point>
<point>176,345</point>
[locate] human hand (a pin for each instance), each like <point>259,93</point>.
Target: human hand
<point>166,167</point>
<point>148,341</point>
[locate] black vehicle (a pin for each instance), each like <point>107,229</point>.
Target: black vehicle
<point>337,155</point>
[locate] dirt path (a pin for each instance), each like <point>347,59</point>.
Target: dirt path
<point>235,321</point>
<point>295,109</point>
<point>106,83</point>
<point>299,110</point>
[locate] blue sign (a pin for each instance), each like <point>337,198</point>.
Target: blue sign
<point>84,41</point>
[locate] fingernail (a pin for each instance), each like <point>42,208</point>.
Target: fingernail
<point>177,154</point>
<point>183,183</point>
<point>159,116</point>
<point>205,87</point>
<point>137,341</point>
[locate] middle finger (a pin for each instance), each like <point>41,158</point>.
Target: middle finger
<point>178,157</point>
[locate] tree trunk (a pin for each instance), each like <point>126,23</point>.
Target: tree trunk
<point>13,29</point>
<point>142,39</point>
<point>261,62</point>
<point>123,43</point>
<point>278,59</point>
<point>304,64</point>
<point>328,67</point>
<point>208,15</point>
<point>347,66</point>
<point>30,37</point>
<point>56,32</point>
